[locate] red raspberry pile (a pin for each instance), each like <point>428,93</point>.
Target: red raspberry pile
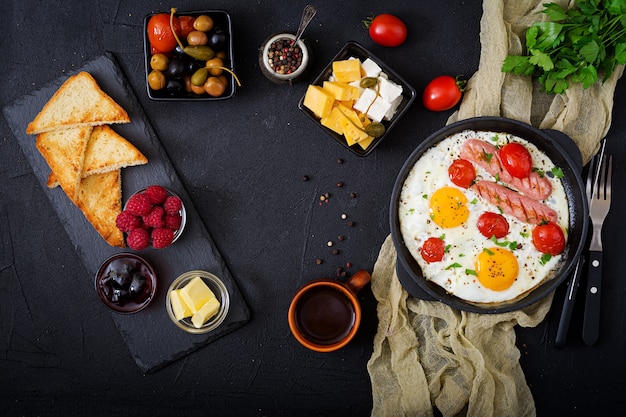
<point>152,216</point>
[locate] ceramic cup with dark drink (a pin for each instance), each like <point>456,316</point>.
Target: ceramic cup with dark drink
<point>325,314</point>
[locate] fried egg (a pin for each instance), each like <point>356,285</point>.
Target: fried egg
<point>474,268</point>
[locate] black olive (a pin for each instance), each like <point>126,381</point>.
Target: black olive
<point>193,65</point>
<point>176,68</point>
<point>217,40</point>
<point>175,86</point>
<point>179,51</point>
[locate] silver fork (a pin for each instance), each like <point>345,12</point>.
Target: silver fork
<point>600,204</point>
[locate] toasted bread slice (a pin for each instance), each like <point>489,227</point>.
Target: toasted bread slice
<point>64,151</point>
<point>106,151</point>
<point>100,200</point>
<point>78,102</point>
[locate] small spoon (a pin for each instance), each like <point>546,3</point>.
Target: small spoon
<point>307,15</point>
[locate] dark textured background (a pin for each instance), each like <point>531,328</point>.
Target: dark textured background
<point>241,161</point>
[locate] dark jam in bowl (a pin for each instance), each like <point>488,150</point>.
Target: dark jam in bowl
<point>325,315</point>
<point>126,283</point>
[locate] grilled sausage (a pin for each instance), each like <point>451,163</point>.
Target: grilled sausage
<point>486,155</point>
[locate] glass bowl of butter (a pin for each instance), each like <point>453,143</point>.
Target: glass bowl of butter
<point>197,301</point>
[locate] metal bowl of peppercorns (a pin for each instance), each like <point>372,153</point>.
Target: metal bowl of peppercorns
<point>282,61</point>
<point>153,216</point>
<point>126,283</point>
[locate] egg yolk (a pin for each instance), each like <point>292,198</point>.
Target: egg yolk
<point>448,207</point>
<point>496,268</point>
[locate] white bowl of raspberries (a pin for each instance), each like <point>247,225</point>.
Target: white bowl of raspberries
<point>153,216</point>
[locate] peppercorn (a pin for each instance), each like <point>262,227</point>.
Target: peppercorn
<point>284,57</point>
<point>305,178</point>
<point>350,223</point>
<point>353,195</point>
<point>336,252</point>
<point>340,237</point>
<point>319,261</point>
<point>340,161</point>
<point>339,184</point>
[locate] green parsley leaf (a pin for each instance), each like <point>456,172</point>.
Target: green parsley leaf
<point>454,265</point>
<point>545,258</point>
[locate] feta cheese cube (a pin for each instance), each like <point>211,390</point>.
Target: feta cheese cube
<point>371,68</point>
<point>389,90</point>
<point>374,106</point>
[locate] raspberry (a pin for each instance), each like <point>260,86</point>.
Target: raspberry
<point>173,221</point>
<point>127,221</point>
<point>156,193</point>
<point>138,239</point>
<point>155,217</point>
<point>162,238</point>
<point>139,205</point>
<point>172,205</point>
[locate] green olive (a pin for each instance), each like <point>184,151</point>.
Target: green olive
<point>199,77</point>
<point>368,82</point>
<point>375,129</point>
<point>197,37</point>
<point>156,80</point>
<point>203,23</point>
<point>215,86</point>
<point>159,62</point>
<point>201,52</point>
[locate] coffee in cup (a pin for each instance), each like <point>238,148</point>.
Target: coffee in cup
<point>325,314</point>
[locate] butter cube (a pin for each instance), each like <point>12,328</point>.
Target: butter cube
<point>195,294</point>
<point>319,101</point>
<point>347,70</point>
<point>208,310</point>
<point>179,307</point>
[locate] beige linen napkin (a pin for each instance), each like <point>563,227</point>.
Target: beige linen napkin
<point>427,354</point>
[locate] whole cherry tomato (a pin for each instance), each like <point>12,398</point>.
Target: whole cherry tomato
<point>386,29</point>
<point>160,34</point>
<point>492,224</point>
<point>186,25</point>
<point>462,172</point>
<point>516,160</point>
<point>433,249</point>
<point>548,237</point>
<point>443,93</point>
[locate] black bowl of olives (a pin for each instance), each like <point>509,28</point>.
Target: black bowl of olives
<point>126,283</point>
<point>189,56</point>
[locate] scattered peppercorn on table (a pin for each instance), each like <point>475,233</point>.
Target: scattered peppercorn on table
<point>284,203</point>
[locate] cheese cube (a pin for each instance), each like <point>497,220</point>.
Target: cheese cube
<point>372,105</point>
<point>394,106</point>
<point>333,121</point>
<point>341,91</point>
<point>179,307</point>
<point>388,90</point>
<point>318,100</point>
<point>370,68</point>
<point>347,70</point>
<point>351,126</point>
<point>208,310</point>
<point>195,294</point>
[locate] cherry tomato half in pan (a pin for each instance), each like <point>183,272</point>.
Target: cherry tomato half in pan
<point>386,29</point>
<point>443,93</point>
<point>433,249</point>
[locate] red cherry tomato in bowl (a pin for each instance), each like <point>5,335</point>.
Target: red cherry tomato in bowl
<point>433,249</point>
<point>549,238</point>
<point>516,160</point>
<point>160,34</point>
<point>443,93</point>
<point>492,224</point>
<point>386,30</point>
<point>462,172</point>
<point>186,25</point>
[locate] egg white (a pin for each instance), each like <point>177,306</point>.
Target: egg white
<point>465,242</point>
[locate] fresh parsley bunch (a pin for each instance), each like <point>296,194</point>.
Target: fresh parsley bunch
<point>575,45</point>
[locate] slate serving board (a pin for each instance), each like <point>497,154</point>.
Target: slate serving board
<point>153,340</point>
